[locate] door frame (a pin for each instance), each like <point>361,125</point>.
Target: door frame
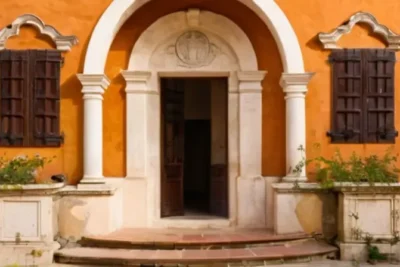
<point>232,148</point>
<point>227,53</point>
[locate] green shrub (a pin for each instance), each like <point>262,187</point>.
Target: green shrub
<point>20,169</point>
<point>370,169</point>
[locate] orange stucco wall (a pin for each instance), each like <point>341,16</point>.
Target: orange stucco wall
<point>308,17</point>
<point>70,18</point>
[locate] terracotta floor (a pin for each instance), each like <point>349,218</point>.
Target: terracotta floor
<point>192,237</point>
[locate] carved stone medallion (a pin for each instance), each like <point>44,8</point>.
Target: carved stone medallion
<point>194,49</point>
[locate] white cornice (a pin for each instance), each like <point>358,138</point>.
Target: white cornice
<point>63,43</point>
<point>329,40</point>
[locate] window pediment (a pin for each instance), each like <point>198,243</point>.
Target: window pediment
<point>330,39</point>
<point>63,43</point>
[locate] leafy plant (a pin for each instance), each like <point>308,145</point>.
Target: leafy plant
<point>298,168</point>
<point>375,255</point>
<point>20,169</point>
<point>370,169</point>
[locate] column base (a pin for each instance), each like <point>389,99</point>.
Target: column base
<point>292,179</point>
<point>93,180</point>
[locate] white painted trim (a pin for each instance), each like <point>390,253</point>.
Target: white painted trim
<point>63,43</point>
<point>329,40</point>
<point>120,10</point>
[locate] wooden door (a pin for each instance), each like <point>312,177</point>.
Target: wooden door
<point>219,148</point>
<point>172,95</point>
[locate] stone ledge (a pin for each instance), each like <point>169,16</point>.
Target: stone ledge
<point>344,187</point>
<point>108,188</point>
<point>30,189</point>
<point>91,190</point>
<point>297,187</point>
<point>366,188</point>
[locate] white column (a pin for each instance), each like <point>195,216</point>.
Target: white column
<point>94,86</point>
<point>295,88</point>
<point>250,122</point>
<point>136,122</point>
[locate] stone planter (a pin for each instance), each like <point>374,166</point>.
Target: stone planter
<point>367,210</point>
<point>26,224</point>
<point>304,208</point>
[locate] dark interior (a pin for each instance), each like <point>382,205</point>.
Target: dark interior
<point>196,181</point>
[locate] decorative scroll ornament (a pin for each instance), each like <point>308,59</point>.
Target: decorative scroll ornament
<point>193,49</point>
<point>329,40</point>
<point>63,43</point>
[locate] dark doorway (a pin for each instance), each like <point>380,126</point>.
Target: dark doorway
<point>196,179</point>
<point>194,147</point>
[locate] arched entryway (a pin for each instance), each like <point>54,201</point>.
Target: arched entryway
<point>193,44</point>
<point>230,56</point>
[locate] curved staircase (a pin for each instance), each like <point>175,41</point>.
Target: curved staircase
<point>183,247</point>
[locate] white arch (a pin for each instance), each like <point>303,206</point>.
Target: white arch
<point>120,10</point>
<point>294,82</point>
<point>223,34</point>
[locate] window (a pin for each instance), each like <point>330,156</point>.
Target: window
<point>30,98</point>
<point>363,96</point>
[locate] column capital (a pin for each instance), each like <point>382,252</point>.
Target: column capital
<point>136,75</point>
<point>93,84</point>
<point>295,82</point>
<point>250,81</point>
<point>94,80</point>
<point>136,81</point>
<point>251,76</point>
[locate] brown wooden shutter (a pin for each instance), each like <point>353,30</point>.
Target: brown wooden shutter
<point>45,66</point>
<point>379,96</point>
<point>14,119</point>
<point>347,96</point>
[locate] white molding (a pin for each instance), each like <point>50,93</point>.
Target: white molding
<point>219,37</point>
<point>120,10</point>
<point>251,76</point>
<point>136,82</point>
<point>193,17</point>
<point>136,76</point>
<point>329,40</point>
<point>63,43</point>
<point>295,82</point>
<point>93,83</point>
<point>250,81</point>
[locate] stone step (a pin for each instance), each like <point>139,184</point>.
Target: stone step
<point>187,239</point>
<point>255,256</point>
